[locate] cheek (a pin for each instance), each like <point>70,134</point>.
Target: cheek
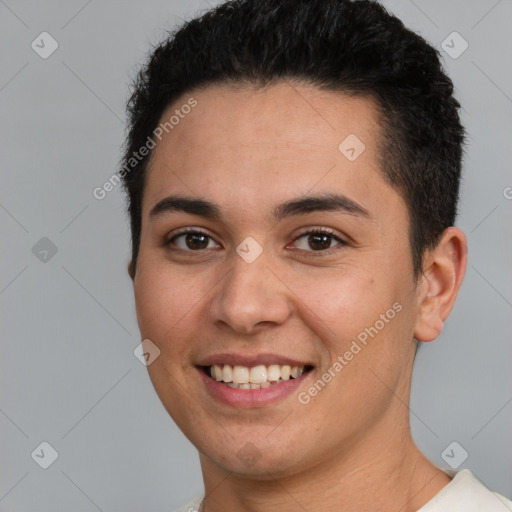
<point>364,316</point>
<point>343,304</point>
<point>364,332</point>
<point>165,300</point>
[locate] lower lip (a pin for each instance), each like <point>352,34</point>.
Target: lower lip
<point>248,398</point>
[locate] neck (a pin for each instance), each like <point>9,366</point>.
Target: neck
<point>381,472</point>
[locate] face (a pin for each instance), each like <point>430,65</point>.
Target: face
<point>271,240</point>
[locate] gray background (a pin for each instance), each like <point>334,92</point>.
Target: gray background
<point>68,373</point>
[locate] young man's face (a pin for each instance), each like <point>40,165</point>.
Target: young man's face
<point>347,296</point>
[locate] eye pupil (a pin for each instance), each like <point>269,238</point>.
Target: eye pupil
<point>196,241</point>
<point>319,241</point>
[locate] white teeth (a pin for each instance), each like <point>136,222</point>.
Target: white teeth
<point>217,372</point>
<point>285,372</point>
<point>240,374</point>
<point>258,374</point>
<point>273,372</point>
<point>296,371</point>
<point>227,373</point>
<point>256,377</point>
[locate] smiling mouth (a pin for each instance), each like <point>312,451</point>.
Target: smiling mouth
<point>255,377</point>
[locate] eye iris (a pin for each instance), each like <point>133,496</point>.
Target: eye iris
<point>196,241</point>
<point>319,241</point>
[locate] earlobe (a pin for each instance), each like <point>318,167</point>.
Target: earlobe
<point>444,270</point>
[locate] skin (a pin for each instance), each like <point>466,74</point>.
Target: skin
<point>247,150</point>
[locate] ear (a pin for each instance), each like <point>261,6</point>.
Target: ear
<point>131,272</point>
<point>443,271</point>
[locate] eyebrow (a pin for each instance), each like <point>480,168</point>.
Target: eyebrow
<point>301,206</point>
<point>324,202</point>
<point>187,205</point>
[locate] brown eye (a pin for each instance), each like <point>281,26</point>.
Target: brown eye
<point>193,241</point>
<point>196,241</point>
<point>319,242</point>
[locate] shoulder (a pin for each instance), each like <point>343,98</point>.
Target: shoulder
<point>465,493</point>
<point>191,506</point>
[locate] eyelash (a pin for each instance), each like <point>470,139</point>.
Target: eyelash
<point>323,231</point>
<point>313,231</point>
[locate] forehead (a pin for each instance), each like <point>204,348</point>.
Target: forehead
<point>268,144</point>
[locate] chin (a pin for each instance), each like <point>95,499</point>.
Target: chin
<point>254,458</point>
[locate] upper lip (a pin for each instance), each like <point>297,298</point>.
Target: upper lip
<point>250,360</point>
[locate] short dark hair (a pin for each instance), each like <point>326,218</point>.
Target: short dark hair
<point>355,47</point>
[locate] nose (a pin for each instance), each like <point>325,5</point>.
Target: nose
<point>251,297</point>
